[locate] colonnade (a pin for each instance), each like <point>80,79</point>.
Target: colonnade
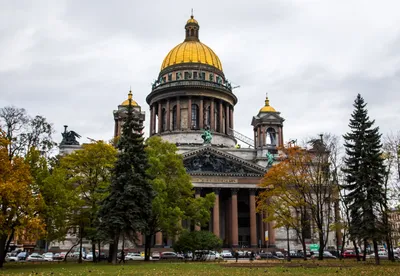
<point>224,115</point>
<point>257,230</point>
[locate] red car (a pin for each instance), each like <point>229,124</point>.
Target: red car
<point>349,254</point>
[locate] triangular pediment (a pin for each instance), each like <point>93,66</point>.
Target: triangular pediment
<point>208,160</point>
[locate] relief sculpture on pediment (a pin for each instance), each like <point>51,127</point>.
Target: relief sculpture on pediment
<point>207,162</point>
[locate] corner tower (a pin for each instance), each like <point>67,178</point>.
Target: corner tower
<point>268,132</point>
<point>120,114</point>
<point>191,93</point>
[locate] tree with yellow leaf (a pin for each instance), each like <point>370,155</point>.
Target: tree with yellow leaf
<point>19,205</point>
<point>300,191</point>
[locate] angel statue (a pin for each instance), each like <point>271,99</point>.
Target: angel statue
<point>271,159</point>
<point>207,136</point>
<point>69,137</point>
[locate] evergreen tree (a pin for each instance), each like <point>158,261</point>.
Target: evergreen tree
<point>364,172</point>
<point>126,209</point>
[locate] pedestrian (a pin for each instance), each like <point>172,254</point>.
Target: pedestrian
<point>252,255</point>
<point>236,255</point>
<point>122,257</point>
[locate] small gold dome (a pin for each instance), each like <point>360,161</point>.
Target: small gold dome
<point>191,52</point>
<point>192,20</point>
<point>267,107</point>
<point>126,102</point>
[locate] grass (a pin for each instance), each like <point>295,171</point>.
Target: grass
<point>325,268</point>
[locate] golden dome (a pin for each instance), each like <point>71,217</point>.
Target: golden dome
<point>192,20</point>
<point>126,102</point>
<point>192,50</point>
<point>267,107</point>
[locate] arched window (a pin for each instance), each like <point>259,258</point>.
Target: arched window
<point>195,116</point>
<point>191,32</point>
<point>271,136</point>
<point>164,120</point>
<point>207,117</point>
<point>174,122</point>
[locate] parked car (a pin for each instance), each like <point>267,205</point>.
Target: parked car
<point>279,254</point>
<point>226,254</point>
<point>170,256</point>
<point>35,257</point>
<point>205,255</point>
<point>22,256</point>
<point>349,254</point>
<point>48,256</point>
<point>326,255</point>
<point>9,258</point>
<point>134,257</point>
<point>155,255</point>
<point>264,255</point>
<point>381,254</point>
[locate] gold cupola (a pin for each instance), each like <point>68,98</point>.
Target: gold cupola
<point>267,107</point>
<point>126,102</point>
<point>191,50</point>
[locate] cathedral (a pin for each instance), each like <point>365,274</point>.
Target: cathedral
<point>191,97</point>
<point>192,94</point>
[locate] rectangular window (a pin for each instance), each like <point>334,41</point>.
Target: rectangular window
<point>203,75</point>
<point>195,75</point>
<point>211,77</point>
<point>170,77</point>
<point>187,76</point>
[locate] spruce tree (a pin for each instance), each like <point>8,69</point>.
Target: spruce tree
<point>129,203</point>
<point>364,174</point>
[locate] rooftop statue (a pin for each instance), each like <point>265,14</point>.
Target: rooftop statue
<point>206,136</point>
<point>271,159</point>
<point>69,137</point>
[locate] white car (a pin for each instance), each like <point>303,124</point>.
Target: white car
<point>10,258</point>
<point>134,257</point>
<point>36,257</point>
<point>226,254</point>
<point>48,256</point>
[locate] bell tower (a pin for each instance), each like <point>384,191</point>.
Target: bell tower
<point>268,132</point>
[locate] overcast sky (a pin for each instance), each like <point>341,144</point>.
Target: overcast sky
<point>74,61</point>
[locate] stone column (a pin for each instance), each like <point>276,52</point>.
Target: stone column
<point>234,216</point>
<point>255,138</point>
<point>253,220</point>
<point>140,239</point>
<point>266,243</point>
<point>227,119</point>
<point>159,117</point>
<point>271,234</point>
<point>212,119</point>
<point>159,242</point>
<point>201,113</point>
<point>259,137</point>
<point>178,114</point>
<point>261,228</point>
<point>264,139</point>
<point>168,127</point>
<point>231,117</point>
<point>280,131</point>
<point>197,195</point>
<point>221,125</point>
<point>189,124</point>
<point>116,127</point>
<point>152,116</point>
<point>216,223</point>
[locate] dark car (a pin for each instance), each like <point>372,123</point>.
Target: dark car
<point>265,255</point>
<point>170,256</point>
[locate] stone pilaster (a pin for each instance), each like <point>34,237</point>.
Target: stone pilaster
<point>253,220</point>
<point>234,216</point>
<point>216,223</point>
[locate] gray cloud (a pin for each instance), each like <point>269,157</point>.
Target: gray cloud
<point>73,61</point>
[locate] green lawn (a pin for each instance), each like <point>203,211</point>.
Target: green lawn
<point>257,268</point>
